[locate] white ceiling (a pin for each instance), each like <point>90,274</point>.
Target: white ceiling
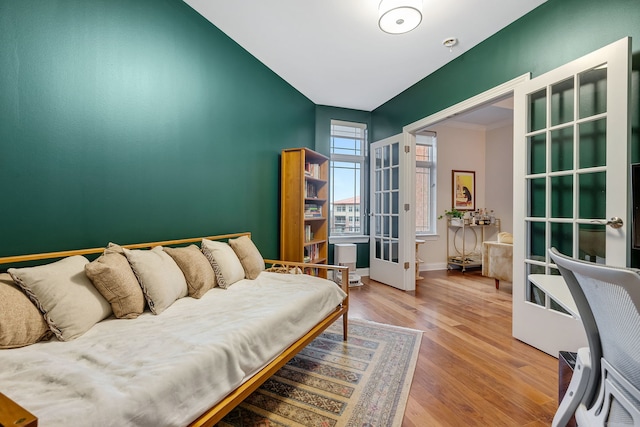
<point>333,52</point>
<point>485,117</point>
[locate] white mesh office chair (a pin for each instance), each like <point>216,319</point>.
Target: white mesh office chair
<point>604,389</point>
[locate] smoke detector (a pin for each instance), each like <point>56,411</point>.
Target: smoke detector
<point>450,42</point>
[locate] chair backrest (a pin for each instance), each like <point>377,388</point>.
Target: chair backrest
<point>566,265</point>
<point>608,299</point>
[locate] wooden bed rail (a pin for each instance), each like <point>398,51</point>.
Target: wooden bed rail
<point>62,254</point>
<point>14,415</point>
<point>211,417</point>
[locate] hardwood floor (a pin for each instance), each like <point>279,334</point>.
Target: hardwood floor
<point>471,371</point>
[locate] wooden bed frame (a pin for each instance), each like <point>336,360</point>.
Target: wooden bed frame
<point>11,414</point>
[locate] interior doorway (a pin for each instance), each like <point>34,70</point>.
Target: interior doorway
<point>481,140</point>
<point>474,135</point>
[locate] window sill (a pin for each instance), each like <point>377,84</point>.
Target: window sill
<point>427,236</point>
<point>348,239</point>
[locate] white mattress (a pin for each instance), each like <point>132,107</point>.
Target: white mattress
<point>166,370</point>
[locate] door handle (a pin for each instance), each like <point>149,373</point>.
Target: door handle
<point>614,222</point>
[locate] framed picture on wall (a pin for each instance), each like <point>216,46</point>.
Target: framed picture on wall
<point>463,187</point>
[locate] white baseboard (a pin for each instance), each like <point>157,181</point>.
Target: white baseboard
<point>362,271</point>
<point>433,266</point>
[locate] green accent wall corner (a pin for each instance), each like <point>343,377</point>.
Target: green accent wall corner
<point>134,121</point>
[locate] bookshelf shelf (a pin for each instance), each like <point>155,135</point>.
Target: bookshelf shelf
<point>314,242</point>
<point>303,206</point>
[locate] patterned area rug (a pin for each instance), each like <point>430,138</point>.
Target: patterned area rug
<point>364,382</point>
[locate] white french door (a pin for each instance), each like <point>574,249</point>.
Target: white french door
<point>570,178</point>
<point>392,247</point>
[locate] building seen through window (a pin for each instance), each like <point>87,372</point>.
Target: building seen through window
<point>350,223</point>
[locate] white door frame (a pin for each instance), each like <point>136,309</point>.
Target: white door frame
<point>485,98</point>
<point>474,102</point>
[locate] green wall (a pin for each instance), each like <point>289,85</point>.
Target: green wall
<point>139,120</point>
<point>555,33</point>
<point>136,120</point>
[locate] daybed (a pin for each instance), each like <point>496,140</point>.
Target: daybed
<point>189,363</point>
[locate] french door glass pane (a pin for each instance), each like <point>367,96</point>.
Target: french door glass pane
<point>552,304</point>
<point>562,196</point>
<point>562,237</point>
<point>394,227</point>
<point>537,197</point>
<point>593,195</point>
<point>535,269</point>
<point>556,307</point>
<point>537,241</point>
<point>394,202</point>
<point>386,158</point>
<point>537,154</point>
<point>537,110</point>
<point>593,143</point>
<point>591,242</point>
<point>536,296</point>
<point>562,149</point>
<point>395,154</point>
<point>562,102</point>
<point>593,92</point>
<point>394,251</point>
<point>395,178</point>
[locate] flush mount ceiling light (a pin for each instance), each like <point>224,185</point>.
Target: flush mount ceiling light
<point>399,16</point>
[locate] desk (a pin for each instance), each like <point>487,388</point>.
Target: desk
<point>555,287</point>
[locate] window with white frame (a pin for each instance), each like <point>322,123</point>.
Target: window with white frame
<point>426,183</point>
<point>347,185</point>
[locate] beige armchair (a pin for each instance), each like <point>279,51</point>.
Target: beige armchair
<point>497,259</point>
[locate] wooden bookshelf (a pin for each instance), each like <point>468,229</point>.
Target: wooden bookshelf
<point>303,206</point>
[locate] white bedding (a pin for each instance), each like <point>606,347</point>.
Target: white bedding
<point>166,370</point>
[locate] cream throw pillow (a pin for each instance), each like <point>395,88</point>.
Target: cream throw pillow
<point>224,261</point>
<point>505,237</point>
<point>21,323</point>
<point>196,269</point>
<point>112,276</point>
<point>249,256</point>
<point>159,276</point>
<point>64,294</point>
